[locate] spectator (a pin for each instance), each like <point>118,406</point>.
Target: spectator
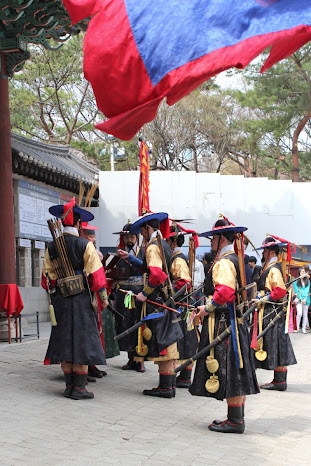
<point>208,283</point>
<point>252,261</point>
<point>198,280</point>
<point>302,291</point>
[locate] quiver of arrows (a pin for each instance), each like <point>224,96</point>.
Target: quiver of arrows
<point>68,282</point>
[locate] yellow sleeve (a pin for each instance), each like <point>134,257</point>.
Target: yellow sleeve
<point>224,273</point>
<point>48,267</point>
<point>92,262</point>
<point>180,270</point>
<point>274,280</point>
<point>153,257</point>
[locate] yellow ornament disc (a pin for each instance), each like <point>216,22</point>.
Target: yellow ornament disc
<point>147,334</point>
<point>142,351</point>
<point>212,384</point>
<point>212,364</point>
<point>261,355</point>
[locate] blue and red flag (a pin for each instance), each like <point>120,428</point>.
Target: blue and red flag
<point>137,52</point>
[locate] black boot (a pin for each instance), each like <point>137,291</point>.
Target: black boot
<point>234,424</point>
<point>278,382</point>
<point>95,372</point>
<point>184,379</point>
<point>90,379</point>
<point>140,367</point>
<point>79,392</point>
<point>174,384</point>
<point>165,388</point>
<point>69,384</point>
<point>217,421</point>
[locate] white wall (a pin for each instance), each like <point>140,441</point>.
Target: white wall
<point>265,206</point>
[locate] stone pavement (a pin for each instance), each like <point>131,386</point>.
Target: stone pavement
<point>38,426</point>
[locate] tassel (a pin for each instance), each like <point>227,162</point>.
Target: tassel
<point>165,228</point>
<point>255,331</point>
<point>129,300</point>
<point>52,315</point>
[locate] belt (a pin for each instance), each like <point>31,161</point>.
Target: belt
<point>135,280</point>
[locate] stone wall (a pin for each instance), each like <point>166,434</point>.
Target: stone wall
<point>34,299</point>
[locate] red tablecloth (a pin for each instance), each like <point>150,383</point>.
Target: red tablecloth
<point>10,300</point>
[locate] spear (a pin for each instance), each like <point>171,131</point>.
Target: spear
<point>225,334</point>
<point>154,315</point>
<point>153,302</point>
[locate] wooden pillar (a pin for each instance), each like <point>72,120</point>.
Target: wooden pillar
<point>7,238</point>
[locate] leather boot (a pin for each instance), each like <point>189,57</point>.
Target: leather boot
<point>90,379</point>
<point>234,424</point>
<point>140,367</point>
<point>69,384</point>
<point>184,378</point>
<point>95,372</point>
<point>165,388</point>
<point>174,384</point>
<point>131,364</point>
<point>217,421</point>
<point>278,382</point>
<point>79,392</point>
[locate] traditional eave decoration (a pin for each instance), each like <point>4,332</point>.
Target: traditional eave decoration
<point>52,164</point>
<point>36,21</point>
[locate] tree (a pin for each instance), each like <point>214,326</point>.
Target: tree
<point>193,134</point>
<point>279,106</point>
<point>50,99</point>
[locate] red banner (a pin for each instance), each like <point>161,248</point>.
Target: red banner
<point>143,199</point>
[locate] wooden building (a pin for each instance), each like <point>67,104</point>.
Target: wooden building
<point>43,175</point>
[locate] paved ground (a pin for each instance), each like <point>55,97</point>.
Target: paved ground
<point>38,426</point>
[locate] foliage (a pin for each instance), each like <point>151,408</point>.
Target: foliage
<point>259,129</point>
<point>278,105</point>
<point>50,99</point>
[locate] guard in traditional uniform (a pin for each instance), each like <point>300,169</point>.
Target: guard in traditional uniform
<point>74,341</point>
<point>133,282</point>
<point>274,351</point>
<point>180,275</point>
<point>229,370</point>
<point>158,340</point>
<point>88,231</point>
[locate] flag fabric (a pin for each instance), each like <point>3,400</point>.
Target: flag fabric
<point>144,184</point>
<point>136,53</point>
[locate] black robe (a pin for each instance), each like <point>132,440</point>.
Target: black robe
<point>232,381</point>
<point>75,338</point>
<point>133,283</point>
<point>164,331</point>
<point>276,343</point>
<point>188,345</point>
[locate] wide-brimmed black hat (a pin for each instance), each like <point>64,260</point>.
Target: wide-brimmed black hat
<point>146,218</point>
<point>66,211</point>
<point>223,226</point>
<point>269,241</point>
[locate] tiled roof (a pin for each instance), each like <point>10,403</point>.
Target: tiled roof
<point>54,158</point>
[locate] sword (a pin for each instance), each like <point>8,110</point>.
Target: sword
<point>223,336</point>
<point>271,324</point>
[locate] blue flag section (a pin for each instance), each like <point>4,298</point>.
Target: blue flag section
<point>136,53</point>
<point>169,34</point>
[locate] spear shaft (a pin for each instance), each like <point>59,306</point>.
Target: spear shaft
<point>153,302</point>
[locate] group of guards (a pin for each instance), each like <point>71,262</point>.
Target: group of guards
<point>165,315</point>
